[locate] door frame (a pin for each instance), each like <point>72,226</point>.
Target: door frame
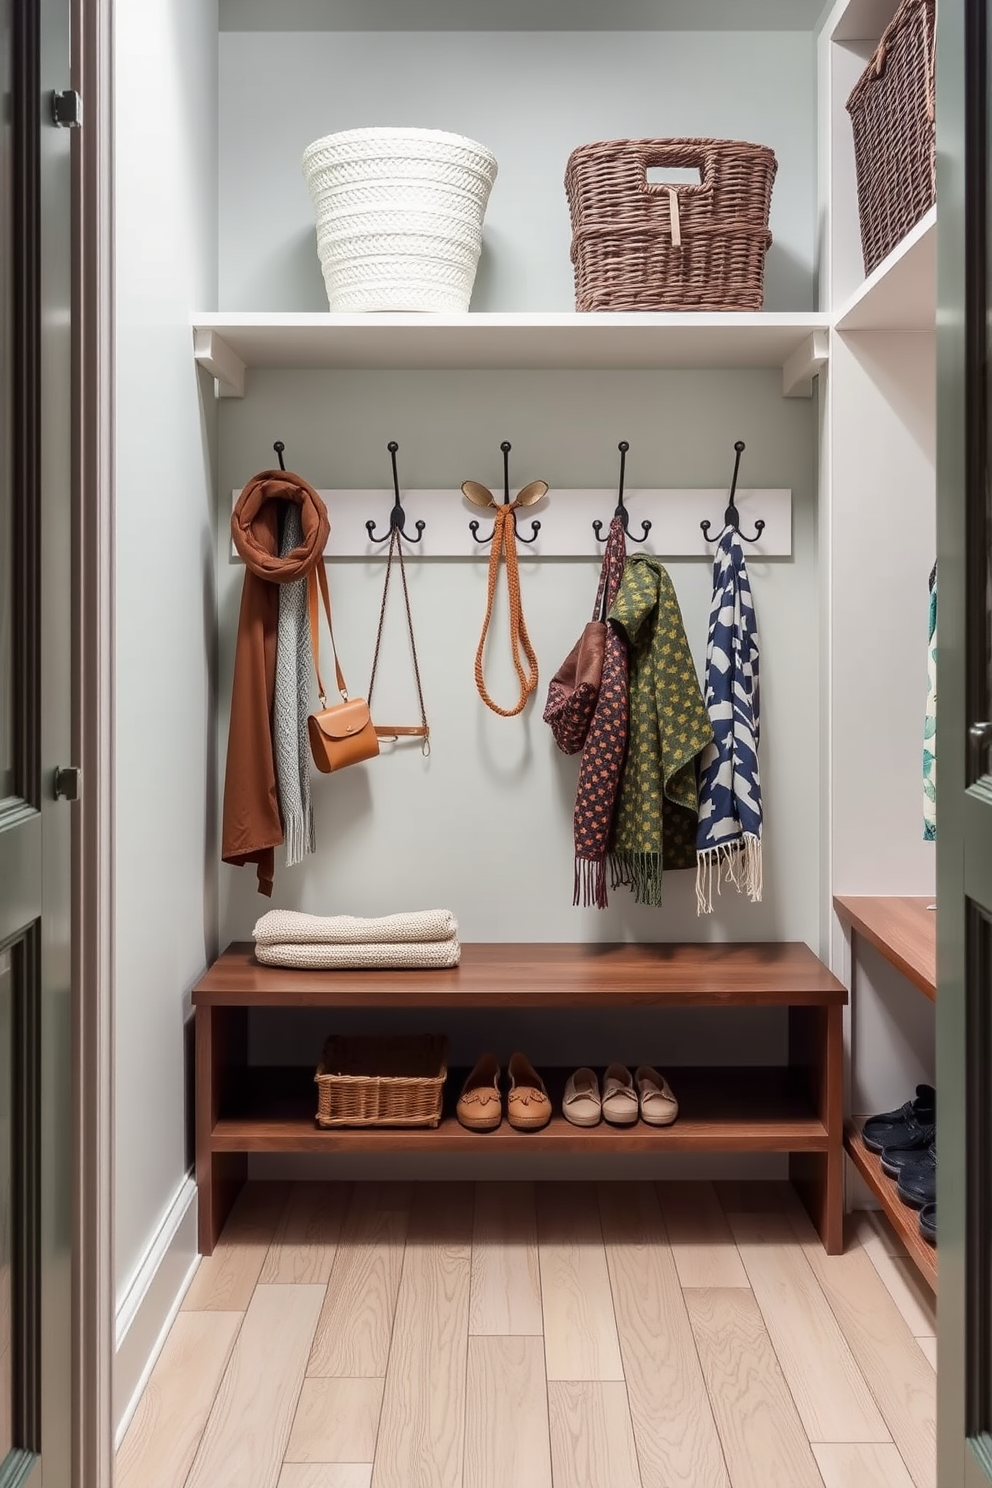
<point>964,1376</point>
<point>94,1303</point>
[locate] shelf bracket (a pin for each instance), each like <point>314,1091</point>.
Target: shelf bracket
<point>213,353</point>
<point>804,364</point>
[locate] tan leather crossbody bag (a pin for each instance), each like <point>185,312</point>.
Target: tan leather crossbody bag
<point>344,734</point>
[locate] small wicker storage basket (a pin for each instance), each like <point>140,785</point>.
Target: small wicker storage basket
<point>399,216</point>
<point>892,113</point>
<point>638,245</point>
<point>387,1081</point>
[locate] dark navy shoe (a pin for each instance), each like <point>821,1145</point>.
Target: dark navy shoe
<point>918,1180</point>
<point>895,1158</point>
<point>928,1223</point>
<point>885,1130</point>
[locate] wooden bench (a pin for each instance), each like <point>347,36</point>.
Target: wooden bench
<point>796,1108</point>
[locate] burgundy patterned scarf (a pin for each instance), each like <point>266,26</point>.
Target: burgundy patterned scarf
<point>606,743</point>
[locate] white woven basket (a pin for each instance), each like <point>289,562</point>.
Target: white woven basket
<point>399,216</point>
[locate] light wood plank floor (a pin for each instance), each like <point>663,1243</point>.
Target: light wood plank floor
<point>541,1336</point>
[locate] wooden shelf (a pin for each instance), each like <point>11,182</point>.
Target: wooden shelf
<point>720,1110</point>
<point>228,344</point>
<point>904,1221</point>
<point>903,929</point>
<point>901,294</point>
<point>776,974</point>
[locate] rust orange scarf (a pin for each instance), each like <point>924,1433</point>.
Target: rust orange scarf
<point>253,826</point>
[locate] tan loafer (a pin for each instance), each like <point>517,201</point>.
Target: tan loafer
<point>658,1104</point>
<point>619,1096</point>
<point>582,1104</point>
<point>528,1107</point>
<point>479,1106</point>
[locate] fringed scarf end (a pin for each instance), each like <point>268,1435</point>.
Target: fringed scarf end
<point>640,872</point>
<point>590,883</point>
<point>736,863</point>
<point>300,836</point>
<point>752,884</point>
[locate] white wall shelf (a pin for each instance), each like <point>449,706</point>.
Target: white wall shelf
<point>228,344</point>
<point>860,20</point>
<point>901,294</point>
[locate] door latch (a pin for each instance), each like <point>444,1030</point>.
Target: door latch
<point>67,109</point>
<point>979,741</point>
<point>68,783</point>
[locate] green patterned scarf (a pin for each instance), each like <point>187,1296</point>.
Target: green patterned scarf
<point>669,726</point>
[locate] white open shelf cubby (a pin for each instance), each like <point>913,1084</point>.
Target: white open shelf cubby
<point>901,294</point>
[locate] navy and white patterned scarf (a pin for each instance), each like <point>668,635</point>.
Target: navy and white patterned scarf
<point>728,842</point>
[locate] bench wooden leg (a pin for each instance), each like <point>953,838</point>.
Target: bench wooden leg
<point>816,1047</point>
<point>221,1048</point>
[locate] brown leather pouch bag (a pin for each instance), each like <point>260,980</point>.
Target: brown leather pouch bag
<point>574,690</point>
<point>344,733</point>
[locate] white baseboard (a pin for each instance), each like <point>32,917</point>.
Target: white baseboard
<point>150,1301</point>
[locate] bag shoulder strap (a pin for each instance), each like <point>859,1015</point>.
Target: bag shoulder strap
<point>504,541</point>
<point>317,578</point>
<point>420,730</point>
<point>611,572</point>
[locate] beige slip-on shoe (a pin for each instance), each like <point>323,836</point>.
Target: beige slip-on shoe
<point>658,1104</point>
<point>479,1106</point>
<point>582,1104</point>
<point>619,1096</point>
<point>528,1106</point>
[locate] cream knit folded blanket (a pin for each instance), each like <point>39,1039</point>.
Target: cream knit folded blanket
<point>289,927</point>
<point>428,955</point>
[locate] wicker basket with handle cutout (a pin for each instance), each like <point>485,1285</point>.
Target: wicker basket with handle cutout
<point>642,245</point>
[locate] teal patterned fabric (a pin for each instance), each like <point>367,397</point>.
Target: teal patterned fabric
<point>930,724</point>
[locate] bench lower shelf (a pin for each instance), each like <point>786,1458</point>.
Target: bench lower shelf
<point>739,1109</point>
<point>904,1221</point>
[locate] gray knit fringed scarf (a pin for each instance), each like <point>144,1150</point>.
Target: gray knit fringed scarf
<point>291,704</point>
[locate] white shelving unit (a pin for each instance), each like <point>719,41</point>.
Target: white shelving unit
<point>227,345</point>
<point>878,526</point>
<point>901,294</point>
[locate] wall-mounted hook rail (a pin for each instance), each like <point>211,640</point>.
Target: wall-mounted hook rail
<point>731,517</point>
<point>566,526</point>
<point>480,495</point>
<point>397,517</point>
<point>620,510</point>
<point>280,450</point>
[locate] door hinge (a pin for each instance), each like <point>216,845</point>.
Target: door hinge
<point>67,109</point>
<point>68,783</point>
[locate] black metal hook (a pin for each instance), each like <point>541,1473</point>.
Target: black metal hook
<point>397,517</point>
<point>280,450</point>
<point>732,517</point>
<point>620,510</point>
<point>535,526</point>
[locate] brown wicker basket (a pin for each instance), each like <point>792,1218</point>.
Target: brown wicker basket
<point>639,245</point>
<point>892,112</point>
<point>381,1081</point>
